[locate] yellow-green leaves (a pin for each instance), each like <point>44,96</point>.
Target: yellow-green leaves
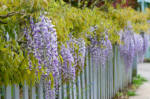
<point>14,64</point>
<point>14,60</point>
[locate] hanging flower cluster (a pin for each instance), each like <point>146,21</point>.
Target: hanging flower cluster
<point>78,49</point>
<point>101,49</point>
<point>138,41</point>
<point>73,55</point>
<point>138,46</point>
<point>133,45</point>
<point>68,68</point>
<point>81,53</point>
<point>42,42</point>
<point>127,48</point>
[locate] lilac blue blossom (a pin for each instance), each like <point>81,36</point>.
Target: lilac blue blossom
<point>127,50</point>
<point>100,49</point>
<point>77,48</point>
<point>138,41</point>
<point>133,45</point>
<point>42,42</point>
<point>68,68</point>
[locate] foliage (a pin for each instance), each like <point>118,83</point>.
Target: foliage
<point>139,80</point>
<point>77,21</point>
<point>13,63</point>
<point>126,3</point>
<point>130,90</point>
<point>147,60</point>
<point>16,14</point>
<point>100,3</point>
<point>131,93</point>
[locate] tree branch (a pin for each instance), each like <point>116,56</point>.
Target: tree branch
<point>1,22</point>
<point>9,14</point>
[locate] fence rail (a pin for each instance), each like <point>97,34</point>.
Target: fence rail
<point>95,82</point>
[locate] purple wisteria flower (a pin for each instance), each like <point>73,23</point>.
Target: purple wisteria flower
<point>42,42</point>
<point>127,49</point>
<point>138,46</point>
<point>68,68</point>
<point>133,45</point>
<point>78,50</point>
<point>100,49</point>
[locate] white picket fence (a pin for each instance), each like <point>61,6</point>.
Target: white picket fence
<point>95,82</point>
<point>147,54</point>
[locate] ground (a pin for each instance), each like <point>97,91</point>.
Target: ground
<point>143,92</point>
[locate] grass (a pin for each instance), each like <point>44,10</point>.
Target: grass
<point>139,80</point>
<point>130,90</point>
<point>147,60</point>
<point>131,93</point>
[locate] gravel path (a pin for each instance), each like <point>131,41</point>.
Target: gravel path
<point>143,92</point>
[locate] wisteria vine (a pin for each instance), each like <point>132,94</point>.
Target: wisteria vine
<point>100,49</point>
<point>134,45</point>
<point>69,61</point>
<point>42,42</point>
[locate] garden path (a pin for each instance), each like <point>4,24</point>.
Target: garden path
<point>143,92</point>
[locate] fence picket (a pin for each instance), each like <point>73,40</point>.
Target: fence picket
<point>40,90</point>
<point>70,91</point>
<point>107,78</point>
<point>8,92</point>
<point>16,92</point>
<point>79,87</point>
<point>94,78</point>
<point>111,76</point>
<point>117,69</point>
<point>94,82</point>
<point>83,85</point>
<point>107,87</point>
<point>33,93</point>
<point>102,83</point>
<point>60,90</point>
<point>91,77</point>
<point>87,71</point>
<point>98,79</point>
<point>74,91</point>
<point>65,91</point>
<point>25,91</point>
